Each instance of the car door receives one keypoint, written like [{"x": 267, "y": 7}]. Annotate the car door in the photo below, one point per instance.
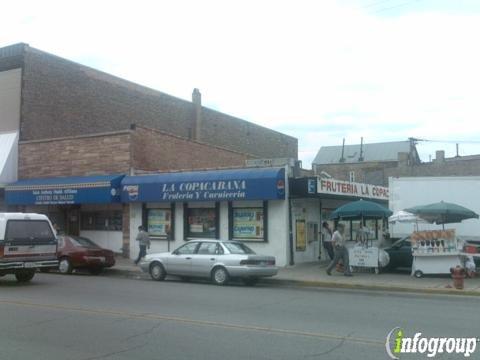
[
  {"x": 405, "y": 256},
  {"x": 204, "y": 259},
  {"x": 180, "y": 261}
]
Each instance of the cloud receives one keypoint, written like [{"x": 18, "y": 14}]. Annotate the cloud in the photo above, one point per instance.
[{"x": 320, "y": 71}]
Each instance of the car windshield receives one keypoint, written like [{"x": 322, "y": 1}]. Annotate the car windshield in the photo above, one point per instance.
[
  {"x": 401, "y": 242},
  {"x": 84, "y": 242},
  {"x": 238, "y": 248}
]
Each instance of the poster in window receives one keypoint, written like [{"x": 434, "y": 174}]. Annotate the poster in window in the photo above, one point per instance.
[
  {"x": 201, "y": 223},
  {"x": 248, "y": 223},
  {"x": 159, "y": 222},
  {"x": 300, "y": 235}
]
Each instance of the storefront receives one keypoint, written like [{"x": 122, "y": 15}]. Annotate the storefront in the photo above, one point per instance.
[
  {"x": 237, "y": 204},
  {"x": 314, "y": 199},
  {"x": 87, "y": 206}
]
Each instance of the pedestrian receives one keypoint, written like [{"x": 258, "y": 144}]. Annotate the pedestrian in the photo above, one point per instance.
[
  {"x": 143, "y": 242},
  {"x": 341, "y": 251},
  {"x": 327, "y": 239}
]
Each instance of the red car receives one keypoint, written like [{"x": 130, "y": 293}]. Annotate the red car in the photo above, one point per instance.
[{"x": 76, "y": 252}]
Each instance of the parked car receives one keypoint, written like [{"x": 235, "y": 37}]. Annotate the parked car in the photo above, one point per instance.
[
  {"x": 217, "y": 260},
  {"x": 76, "y": 252},
  {"x": 400, "y": 253},
  {"x": 27, "y": 243}
]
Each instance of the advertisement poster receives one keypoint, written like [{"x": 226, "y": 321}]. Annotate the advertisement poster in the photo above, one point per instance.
[
  {"x": 159, "y": 221},
  {"x": 248, "y": 223},
  {"x": 201, "y": 223},
  {"x": 300, "y": 235}
]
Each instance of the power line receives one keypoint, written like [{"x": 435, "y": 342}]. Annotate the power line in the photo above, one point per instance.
[{"x": 449, "y": 141}]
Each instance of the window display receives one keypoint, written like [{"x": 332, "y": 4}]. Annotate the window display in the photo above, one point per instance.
[
  {"x": 248, "y": 223},
  {"x": 102, "y": 220},
  {"x": 159, "y": 222},
  {"x": 201, "y": 223}
]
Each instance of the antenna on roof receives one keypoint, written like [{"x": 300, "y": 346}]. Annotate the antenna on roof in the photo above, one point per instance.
[
  {"x": 342, "y": 159},
  {"x": 360, "y": 158}
]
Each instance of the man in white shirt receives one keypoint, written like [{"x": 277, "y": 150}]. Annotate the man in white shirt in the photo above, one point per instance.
[{"x": 341, "y": 251}]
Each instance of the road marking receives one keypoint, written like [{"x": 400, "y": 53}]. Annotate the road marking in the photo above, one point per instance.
[{"x": 159, "y": 317}]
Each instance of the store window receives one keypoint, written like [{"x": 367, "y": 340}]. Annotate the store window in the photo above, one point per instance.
[
  {"x": 201, "y": 223},
  {"x": 159, "y": 222},
  {"x": 248, "y": 223},
  {"x": 102, "y": 220}
]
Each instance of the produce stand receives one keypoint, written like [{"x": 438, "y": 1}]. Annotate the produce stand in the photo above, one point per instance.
[{"x": 435, "y": 252}]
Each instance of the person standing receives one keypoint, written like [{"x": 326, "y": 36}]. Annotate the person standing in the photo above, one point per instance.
[
  {"x": 341, "y": 251},
  {"x": 143, "y": 242},
  {"x": 327, "y": 239}
]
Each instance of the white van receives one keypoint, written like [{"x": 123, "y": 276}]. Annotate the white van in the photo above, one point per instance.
[{"x": 27, "y": 242}]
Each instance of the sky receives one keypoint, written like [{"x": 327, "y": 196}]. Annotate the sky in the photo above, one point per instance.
[{"x": 321, "y": 70}]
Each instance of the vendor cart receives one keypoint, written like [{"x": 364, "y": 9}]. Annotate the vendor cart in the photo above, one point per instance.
[{"x": 435, "y": 252}]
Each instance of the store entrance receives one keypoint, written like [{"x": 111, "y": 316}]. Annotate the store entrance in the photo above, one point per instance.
[{"x": 73, "y": 221}]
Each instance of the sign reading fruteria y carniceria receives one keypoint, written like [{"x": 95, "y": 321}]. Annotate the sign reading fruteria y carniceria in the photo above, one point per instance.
[{"x": 338, "y": 187}]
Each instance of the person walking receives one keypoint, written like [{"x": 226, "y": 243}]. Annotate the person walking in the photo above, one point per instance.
[
  {"x": 143, "y": 242},
  {"x": 341, "y": 251},
  {"x": 327, "y": 239}
]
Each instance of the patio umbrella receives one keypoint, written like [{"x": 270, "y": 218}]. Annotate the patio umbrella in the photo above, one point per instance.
[
  {"x": 443, "y": 213},
  {"x": 403, "y": 216},
  {"x": 361, "y": 209}
]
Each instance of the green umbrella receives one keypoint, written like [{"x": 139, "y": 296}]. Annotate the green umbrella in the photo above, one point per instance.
[
  {"x": 361, "y": 209},
  {"x": 443, "y": 213}
]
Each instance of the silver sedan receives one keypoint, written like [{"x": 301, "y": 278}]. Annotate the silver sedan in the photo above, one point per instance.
[{"x": 217, "y": 260}]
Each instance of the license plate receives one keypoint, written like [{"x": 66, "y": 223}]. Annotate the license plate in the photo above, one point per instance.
[{"x": 30, "y": 265}]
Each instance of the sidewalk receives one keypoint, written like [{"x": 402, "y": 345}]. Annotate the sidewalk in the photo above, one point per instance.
[{"x": 314, "y": 275}]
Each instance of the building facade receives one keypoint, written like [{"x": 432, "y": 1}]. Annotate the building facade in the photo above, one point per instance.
[
  {"x": 376, "y": 163},
  {"x": 45, "y": 96}
]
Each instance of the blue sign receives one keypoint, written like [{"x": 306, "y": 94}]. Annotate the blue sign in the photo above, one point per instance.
[
  {"x": 220, "y": 185},
  {"x": 63, "y": 191}
]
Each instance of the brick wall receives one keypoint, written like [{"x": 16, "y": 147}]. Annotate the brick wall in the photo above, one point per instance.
[
  {"x": 61, "y": 98},
  {"x": 112, "y": 153},
  {"x": 366, "y": 172},
  {"x": 77, "y": 156},
  {"x": 378, "y": 173},
  {"x": 154, "y": 150}
]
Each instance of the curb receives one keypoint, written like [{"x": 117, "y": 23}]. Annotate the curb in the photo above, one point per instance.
[
  {"x": 324, "y": 284},
  {"x": 335, "y": 285}
]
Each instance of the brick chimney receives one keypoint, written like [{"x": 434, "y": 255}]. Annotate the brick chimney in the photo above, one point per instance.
[{"x": 197, "y": 120}]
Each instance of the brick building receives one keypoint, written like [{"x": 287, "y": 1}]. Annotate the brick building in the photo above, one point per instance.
[
  {"x": 79, "y": 131},
  {"x": 375, "y": 163},
  {"x": 46, "y": 97}
]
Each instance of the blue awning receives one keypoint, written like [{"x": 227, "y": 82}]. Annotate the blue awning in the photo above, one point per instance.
[
  {"x": 98, "y": 189},
  {"x": 214, "y": 185}
]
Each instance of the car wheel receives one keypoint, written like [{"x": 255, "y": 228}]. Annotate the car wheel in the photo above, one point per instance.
[
  {"x": 250, "y": 281},
  {"x": 157, "y": 272},
  {"x": 64, "y": 266},
  {"x": 220, "y": 276},
  {"x": 418, "y": 274},
  {"x": 95, "y": 270},
  {"x": 25, "y": 276}
]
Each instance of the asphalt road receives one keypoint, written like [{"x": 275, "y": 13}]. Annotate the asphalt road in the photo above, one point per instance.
[{"x": 82, "y": 317}]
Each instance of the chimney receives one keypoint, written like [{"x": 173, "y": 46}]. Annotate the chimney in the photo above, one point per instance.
[
  {"x": 197, "y": 121},
  {"x": 439, "y": 156}
]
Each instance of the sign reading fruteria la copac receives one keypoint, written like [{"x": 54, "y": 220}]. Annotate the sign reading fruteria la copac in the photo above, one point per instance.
[{"x": 352, "y": 189}]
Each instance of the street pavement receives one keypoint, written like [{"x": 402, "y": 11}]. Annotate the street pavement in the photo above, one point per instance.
[
  {"x": 313, "y": 274},
  {"x": 84, "y": 317}
]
